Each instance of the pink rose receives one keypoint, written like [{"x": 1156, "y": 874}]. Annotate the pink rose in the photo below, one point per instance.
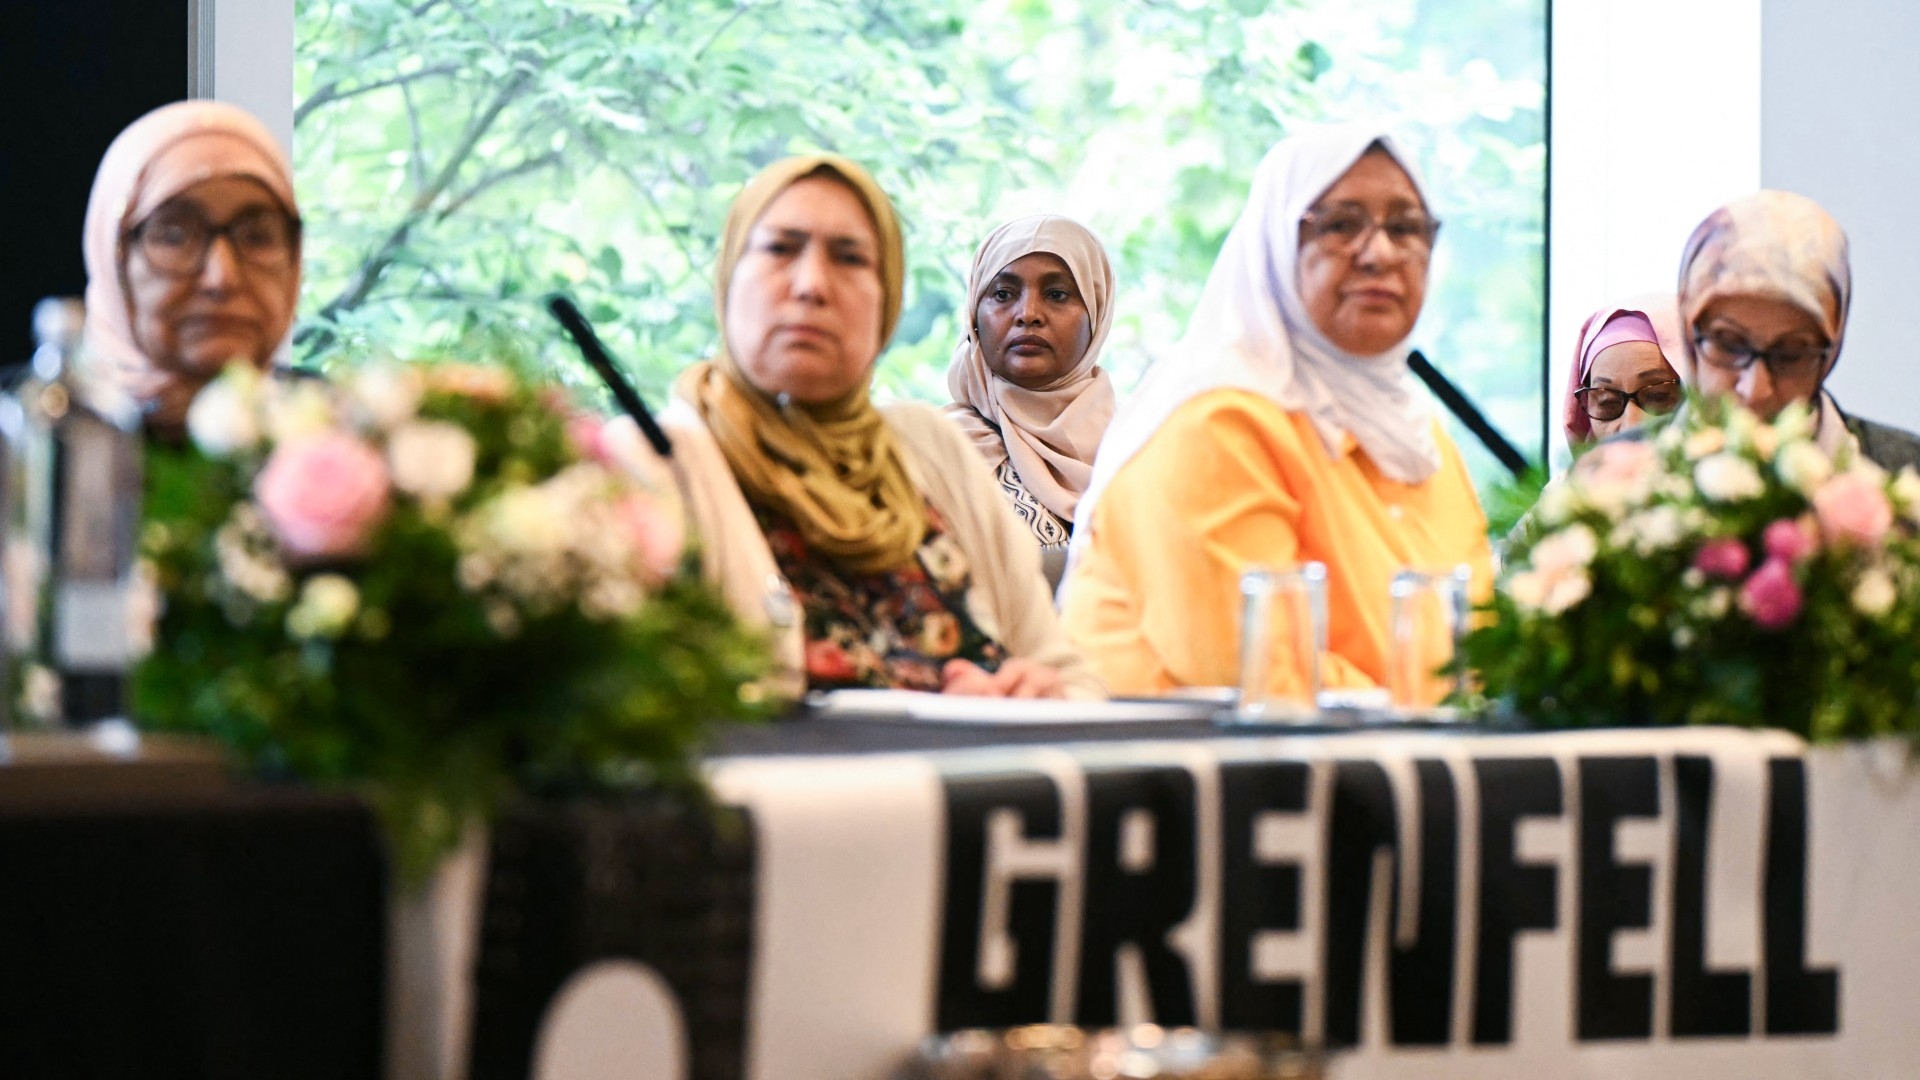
[
  {"x": 1771, "y": 598},
  {"x": 1852, "y": 508},
  {"x": 657, "y": 536},
  {"x": 322, "y": 495},
  {"x": 1627, "y": 464},
  {"x": 1725, "y": 559},
  {"x": 1789, "y": 541},
  {"x": 584, "y": 432}
]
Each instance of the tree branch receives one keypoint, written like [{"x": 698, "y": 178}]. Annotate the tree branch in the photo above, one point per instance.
[
  {"x": 552, "y": 157},
  {"x": 332, "y": 92},
  {"x": 361, "y": 285}
]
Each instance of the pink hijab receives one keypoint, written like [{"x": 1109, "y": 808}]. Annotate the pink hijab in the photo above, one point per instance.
[
  {"x": 1653, "y": 317},
  {"x": 1049, "y": 434},
  {"x": 157, "y": 157}
]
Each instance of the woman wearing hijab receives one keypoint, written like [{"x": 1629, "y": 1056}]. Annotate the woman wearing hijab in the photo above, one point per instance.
[
  {"x": 1765, "y": 285},
  {"x": 1287, "y": 429},
  {"x": 1622, "y": 372},
  {"x": 192, "y": 245},
  {"x": 1026, "y": 382},
  {"x": 875, "y": 545}
]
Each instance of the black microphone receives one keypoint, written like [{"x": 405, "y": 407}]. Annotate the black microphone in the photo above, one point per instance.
[
  {"x": 582, "y": 334},
  {"x": 1459, "y": 404}
]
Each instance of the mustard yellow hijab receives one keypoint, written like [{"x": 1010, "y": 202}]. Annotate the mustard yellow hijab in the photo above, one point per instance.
[{"x": 834, "y": 468}]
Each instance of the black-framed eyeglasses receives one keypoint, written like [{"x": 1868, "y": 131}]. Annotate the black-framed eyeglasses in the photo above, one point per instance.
[
  {"x": 1654, "y": 399},
  {"x": 1731, "y": 353},
  {"x": 177, "y": 241},
  {"x": 1345, "y": 229}
]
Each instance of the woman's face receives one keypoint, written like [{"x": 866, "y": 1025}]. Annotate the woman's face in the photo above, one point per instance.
[
  {"x": 1366, "y": 301},
  {"x": 1769, "y": 325},
  {"x": 1032, "y": 322},
  {"x": 1632, "y": 367},
  {"x": 193, "y": 316},
  {"x": 804, "y": 305}
]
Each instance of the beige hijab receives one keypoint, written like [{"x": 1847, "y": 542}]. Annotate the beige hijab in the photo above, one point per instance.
[
  {"x": 835, "y": 469},
  {"x": 1050, "y": 433},
  {"x": 156, "y": 158}
]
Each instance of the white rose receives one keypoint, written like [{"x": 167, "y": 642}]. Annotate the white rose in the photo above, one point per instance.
[
  {"x": 1727, "y": 478},
  {"x": 1705, "y": 443},
  {"x": 1874, "y": 594},
  {"x": 522, "y": 521},
  {"x": 1558, "y": 502},
  {"x": 1572, "y": 548},
  {"x": 431, "y": 459},
  {"x": 327, "y": 605},
  {"x": 224, "y": 418},
  {"x": 1528, "y": 589},
  {"x": 1803, "y": 467},
  {"x": 1795, "y": 423},
  {"x": 1567, "y": 590},
  {"x": 1906, "y": 493},
  {"x": 388, "y": 393},
  {"x": 297, "y": 410},
  {"x": 1648, "y": 531}
]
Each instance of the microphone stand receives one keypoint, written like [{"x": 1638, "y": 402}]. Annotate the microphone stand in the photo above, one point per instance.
[{"x": 1463, "y": 407}]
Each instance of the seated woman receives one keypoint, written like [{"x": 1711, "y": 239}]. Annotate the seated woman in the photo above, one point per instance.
[
  {"x": 885, "y": 530},
  {"x": 1764, "y": 289},
  {"x": 1287, "y": 428},
  {"x": 192, "y": 245},
  {"x": 1025, "y": 379},
  {"x": 1621, "y": 374}
]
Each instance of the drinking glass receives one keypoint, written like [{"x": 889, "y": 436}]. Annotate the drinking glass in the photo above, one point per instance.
[
  {"x": 1428, "y": 618},
  {"x": 1283, "y": 620}
]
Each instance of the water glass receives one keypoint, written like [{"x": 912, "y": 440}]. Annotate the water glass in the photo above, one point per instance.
[
  {"x": 1283, "y": 621},
  {"x": 1426, "y": 623}
]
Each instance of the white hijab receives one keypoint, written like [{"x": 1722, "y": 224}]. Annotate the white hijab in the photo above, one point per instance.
[
  {"x": 1251, "y": 331},
  {"x": 1049, "y": 434}
]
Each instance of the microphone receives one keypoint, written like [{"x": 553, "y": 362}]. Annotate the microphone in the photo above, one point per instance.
[
  {"x": 1461, "y": 406},
  {"x": 581, "y": 332}
]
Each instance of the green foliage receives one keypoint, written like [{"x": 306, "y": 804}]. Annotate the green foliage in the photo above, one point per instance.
[
  {"x": 423, "y": 698},
  {"x": 458, "y": 159}
]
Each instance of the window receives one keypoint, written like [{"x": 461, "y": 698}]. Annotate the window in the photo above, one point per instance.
[{"x": 460, "y": 159}]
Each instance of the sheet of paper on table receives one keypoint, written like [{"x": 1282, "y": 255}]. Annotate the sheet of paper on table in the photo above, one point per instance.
[{"x": 954, "y": 709}]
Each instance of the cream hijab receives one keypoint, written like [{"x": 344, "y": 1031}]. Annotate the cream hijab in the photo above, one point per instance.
[
  {"x": 156, "y": 158},
  {"x": 835, "y": 469},
  {"x": 1783, "y": 246},
  {"x": 1250, "y": 330},
  {"x": 1049, "y": 433}
]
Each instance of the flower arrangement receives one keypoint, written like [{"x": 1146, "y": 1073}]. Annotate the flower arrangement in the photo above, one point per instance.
[
  {"x": 435, "y": 583},
  {"x": 1721, "y": 571}
]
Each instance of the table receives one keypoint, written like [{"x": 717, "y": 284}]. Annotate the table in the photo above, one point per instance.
[{"x": 1440, "y": 903}]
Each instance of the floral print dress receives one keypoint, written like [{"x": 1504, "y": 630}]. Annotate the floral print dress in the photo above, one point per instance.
[{"x": 892, "y": 630}]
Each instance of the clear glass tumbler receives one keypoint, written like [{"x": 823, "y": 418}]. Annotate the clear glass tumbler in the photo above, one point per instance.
[
  {"x": 1429, "y": 616},
  {"x": 1283, "y": 621}
]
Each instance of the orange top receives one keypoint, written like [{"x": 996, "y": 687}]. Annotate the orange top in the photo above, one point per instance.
[{"x": 1233, "y": 480}]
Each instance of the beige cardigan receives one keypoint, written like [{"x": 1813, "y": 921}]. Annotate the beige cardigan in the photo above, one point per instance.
[{"x": 1009, "y": 599}]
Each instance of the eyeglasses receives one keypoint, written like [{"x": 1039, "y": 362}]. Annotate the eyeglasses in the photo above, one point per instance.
[
  {"x": 1731, "y": 353},
  {"x": 177, "y": 241},
  {"x": 1654, "y": 399},
  {"x": 1345, "y": 229}
]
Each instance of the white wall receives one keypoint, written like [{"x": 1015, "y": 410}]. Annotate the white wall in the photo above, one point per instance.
[
  {"x": 1840, "y": 84},
  {"x": 251, "y": 61},
  {"x": 1647, "y": 138}
]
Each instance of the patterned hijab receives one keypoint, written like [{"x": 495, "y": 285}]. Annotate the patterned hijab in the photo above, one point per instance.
[
  {"x": 156, "y": 158},
  {"x": 1782, "y": 246},
  {"x": 1050, "y": 433},
  {"x": 1250, "y": 330},
  {"x": 835, "y": 468}
]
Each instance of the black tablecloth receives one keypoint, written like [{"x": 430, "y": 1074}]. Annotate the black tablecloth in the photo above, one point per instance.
[{"x": 228, "y": 935}]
